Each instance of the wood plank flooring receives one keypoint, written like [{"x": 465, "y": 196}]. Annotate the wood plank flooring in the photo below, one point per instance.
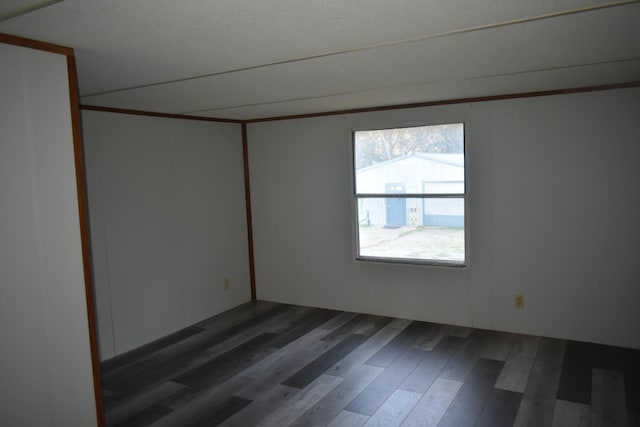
[{"x": 269, "y": 364}]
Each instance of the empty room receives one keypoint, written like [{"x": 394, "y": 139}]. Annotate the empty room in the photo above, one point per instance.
[{"x": 338, "y": 213}]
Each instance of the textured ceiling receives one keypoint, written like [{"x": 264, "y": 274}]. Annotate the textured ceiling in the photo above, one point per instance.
[{"x": 247, "y": 59}]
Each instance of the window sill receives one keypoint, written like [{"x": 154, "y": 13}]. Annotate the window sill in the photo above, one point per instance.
[{"x": 416, "y": 262}]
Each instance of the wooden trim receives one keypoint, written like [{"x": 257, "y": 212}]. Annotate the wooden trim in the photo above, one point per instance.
[
  {"x": 369, "y": 109},
  {"x": 247, "y": 196},
  {"x": 450, "y": 101},
  {"x": 35, "y": 44},
  {"x": 85, "y": 236},
  {"x": 155, "y": 114}
]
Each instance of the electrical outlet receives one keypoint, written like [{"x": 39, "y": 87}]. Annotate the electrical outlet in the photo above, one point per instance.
[
  {"x": 226, "y": 283},
  {"x": 519, "y": 301}
]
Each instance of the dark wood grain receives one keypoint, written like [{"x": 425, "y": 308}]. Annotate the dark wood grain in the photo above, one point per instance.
[
  {"x": 397, "y": 346},
  {"x": 301, "y": 402},
  {"x": 382, "y": 387},
  {"x": 395, "y": 409},
  {"x": 191, "y": 368},
  {"x": 632, "y": 385},
  {"x": 345, "y": 328},
  {"x": 137, "y": 375},
  {"x": 363, "y": 324},
  {"x": 145, "y": 417},
  {"x": 432, "y": 364},
  {"x": 500, "y": 409},
  {"x": 237, "y": 315},
  {"x": 111, "y": 365},
  {"x": 623, "y": 360},
  {"x": 254, "y": 413},
  {"x": 303, "y": 326},
  {"x": 372, "y": 324},
  {"x": 227, "y": 364},
  {"x": 276, "y": 324},
  {"x": 313, "y": 370},
  {"x": 283, "y": 363},
  {"x": 466, "y": 357},
  {"x": 186, "y": 408},
  {"x": 608, "y": 400},
  {"x": 142, "y": 402},
  {"x": 274, "y": 365},
  {"x": 499, "y": 346},
  {"x": 515, "y": 373},
  {"x": 323, "y": 412},
  {"x": 568, "y": 413},
  {"x": 364, "y": 352},
  {"x": 575, "y": 377},
  {"x": 538, "y": 402},
  {"x": 348, "y": 419},
  {"x": 216, "y": 413},
  {"x": 434, "y": 403},
  {"x": 470, "y": 400}
]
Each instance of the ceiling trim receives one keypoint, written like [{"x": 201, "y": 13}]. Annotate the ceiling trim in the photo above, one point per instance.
[
  {"x": 156, "y": 114},
  {"x": 385, "y": 44},
  {"x": 36, "y": 44},
  {"x": 368, "y": 109},
  {"x": 359, "y": 91},
  {"x": 452, "y": 101}
]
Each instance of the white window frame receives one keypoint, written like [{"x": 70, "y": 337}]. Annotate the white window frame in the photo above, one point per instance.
[{"x": 358, "y": 196}]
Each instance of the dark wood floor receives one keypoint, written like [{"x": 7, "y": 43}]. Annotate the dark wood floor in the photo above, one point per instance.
[{"x": 267, "y": 364}]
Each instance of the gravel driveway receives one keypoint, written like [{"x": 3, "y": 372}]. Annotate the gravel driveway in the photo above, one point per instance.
[{"x": 437, "y": 243}]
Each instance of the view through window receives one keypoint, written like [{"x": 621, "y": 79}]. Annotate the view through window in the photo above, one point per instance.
[{"x": 409, "y": 194}]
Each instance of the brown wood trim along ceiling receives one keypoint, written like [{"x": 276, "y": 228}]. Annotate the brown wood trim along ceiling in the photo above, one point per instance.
[{"x": 372, "y": 109}]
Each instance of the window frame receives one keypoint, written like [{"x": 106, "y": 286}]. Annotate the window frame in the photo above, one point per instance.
[{"x": 423, "y": 196}]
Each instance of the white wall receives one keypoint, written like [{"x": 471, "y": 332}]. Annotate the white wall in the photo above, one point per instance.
[
  {"x": 45, "y": 363},
  {"x": 553, "y": 209},
  {"x": 168, "y": 224}
]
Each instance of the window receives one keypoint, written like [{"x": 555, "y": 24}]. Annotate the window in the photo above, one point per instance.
[{"x": 410, "y": 193}]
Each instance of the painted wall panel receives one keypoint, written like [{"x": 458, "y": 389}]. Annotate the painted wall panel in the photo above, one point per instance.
[
  {"x": 167, "y": 218},
  {"x": 551, "y": 211},
  {"x": 45, "y": 364}
]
